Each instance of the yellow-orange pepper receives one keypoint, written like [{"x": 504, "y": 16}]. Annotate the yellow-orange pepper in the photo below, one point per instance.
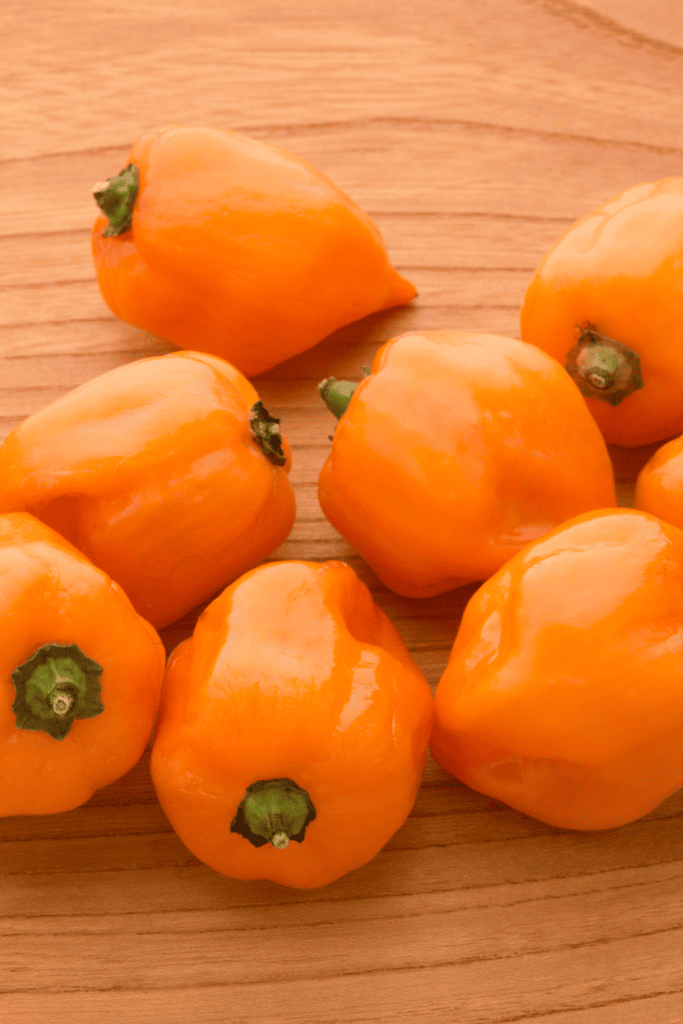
[
  {"x": 293, "y": 727},
  {"x": 605, "y": 301},
  {"x": 80, "y": 673},
  {"x": 659, "y": 487},
  {"x": 168, "y": 473},
  {"x": 563, "y": 694},
  {"x": 224, "y": 244},
  {"x": 457, "y": 450}
]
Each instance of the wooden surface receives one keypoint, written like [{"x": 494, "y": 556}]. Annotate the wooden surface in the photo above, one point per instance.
[{"x": 473, "y": 133}]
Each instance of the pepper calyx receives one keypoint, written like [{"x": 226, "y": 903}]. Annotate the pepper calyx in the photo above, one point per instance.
[
  {"x": 273, "y": 811},
  {"x": 266, "y": 432},
  {"x": 336, "y": 394},
  {"x": 57, "y": 685},
  {"x": 116, "y": 199},
  {"x": 602, "y": 367}
]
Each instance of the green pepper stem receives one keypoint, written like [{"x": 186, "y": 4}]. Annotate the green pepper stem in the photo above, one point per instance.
[
  {"x": 116, "y": 199},
  {"x": 336, "y": 394},
  {"x": 602, "y": 367},
  {"x": 266, "y": 432},
  {"x": 57, "y": 684},
  {"x": 273, "y": 811}
]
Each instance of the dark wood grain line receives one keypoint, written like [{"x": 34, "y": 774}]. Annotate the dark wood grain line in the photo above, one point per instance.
[
  {"x": 458, "y": 961},
  {"x": 360, "y": 898},
  {"x": 613, "y": 31},
  {"x": 58, "y": 323},
  {"x": 134, "y": 353},
  {"x": 87, "y": 151},
  {"x": 451, "y": 268},
  {"x": 456, "y": 215},
  {"x": 46, "y": 234},
  {"x": 108, "y": 319},
  {"x": 540, "y": 828},
  {"x": 403, "y": 214},
  {"x": 374, "y": 122},
  {"x": 34, "y": 387},
  {"x": 622, "y": 1001},
  {"x": 468, "y": 125},
  {"x": 547, "y": 897},
  {"x": 481, "y": 841},
  {"x": 429, "y": 645},
  {"x": 186, "y": 859},
  {"x": 321, "y": 975},
  {"x": 402, "y": 268},
  {"x": 25, "y": 285}
]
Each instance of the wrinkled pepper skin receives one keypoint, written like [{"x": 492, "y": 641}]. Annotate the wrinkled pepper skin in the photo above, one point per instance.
[
  {"x": 619, "y": 270},
  {"x": 563, "y": 693},
  {"x": 52, "y": 595},
  {"x": 456, "y": 451},
  {"x": 152, "y": 472},
  {"x": 659, "y": 487},
  {"x": 293, "y": 673},
  {"x": 240, "y": 249}
]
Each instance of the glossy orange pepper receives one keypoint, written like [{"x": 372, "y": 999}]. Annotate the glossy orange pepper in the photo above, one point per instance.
[
  {"x": 605, "y": 302},
  {"x": 563, "y": 694},
  {"x": 659, "y": 487},
  {"x": 80, "y": 673},
  {"x": 224, "y": 244},
  {"x": 458, "y": 449},
  {"x": 167, "y": 473},
  {"x": 293, "y": 727}
]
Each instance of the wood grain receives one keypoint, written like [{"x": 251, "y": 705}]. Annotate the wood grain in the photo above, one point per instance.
[{"x": 473, "y": 134}]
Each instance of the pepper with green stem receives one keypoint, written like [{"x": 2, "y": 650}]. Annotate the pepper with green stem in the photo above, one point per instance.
[
  {"x": 292, "y": 727},
  {"x": 605, "y": 302},
  {"x": 80, "y": 673}
]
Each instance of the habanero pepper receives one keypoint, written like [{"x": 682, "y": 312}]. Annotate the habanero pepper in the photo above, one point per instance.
[
  {"x": 563, "y": 693},
  {"x": 456, "y": 451},
  {"x": 659, "y": 486},
  {"x": 293, "y": 727},
  {"x": 605, "y": 302},
  {"x": 80, "y": 673},
  {"x": 168, "y": 473},
  {"x": 225, "y": 244}
]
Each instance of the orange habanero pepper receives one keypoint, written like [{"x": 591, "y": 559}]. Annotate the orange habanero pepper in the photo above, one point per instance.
[
  {"x": 218, "y": 242},
  {"x": 293, "y": 727},
  {"x": 659, "y": 487},
  {"x": 605, "y": 302},
  {"x": 458, "y": 449},
  {"x": 168, "y": 473},
  {"x": 80, "y": 676},
  {"x": 563, "y": 694}
]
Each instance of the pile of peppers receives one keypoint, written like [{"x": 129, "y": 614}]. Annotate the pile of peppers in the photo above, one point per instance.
[{"x": 292, "y": 726}]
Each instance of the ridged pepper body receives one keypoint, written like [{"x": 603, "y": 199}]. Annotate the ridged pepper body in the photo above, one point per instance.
[
  {"x": 292, "y": 675},
  {"x": 563, "y": 693},
  {"x": 51, "y": 599},
  {"x": 152, "y": 471},
  {"x": 456, "y": 451},
  {"x": 659, "y": 486},
  {"x": 240, "y": 249},
  {"x": 618, "y": 272}
]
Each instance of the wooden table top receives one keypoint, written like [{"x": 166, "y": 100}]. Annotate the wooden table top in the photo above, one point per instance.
[{"x": 473, "y": 134}]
